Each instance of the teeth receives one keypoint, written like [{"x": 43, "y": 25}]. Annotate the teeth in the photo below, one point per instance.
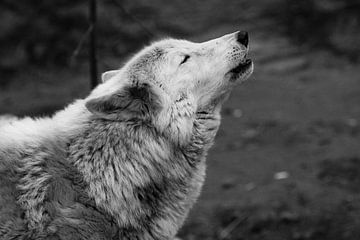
[
  {"x": 247, "y": 61},
  {"x": 244, "y": 62},
  {"x": 239, "y": 68}
]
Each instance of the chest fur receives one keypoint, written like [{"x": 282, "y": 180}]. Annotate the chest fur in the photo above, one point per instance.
[{"x": 138, "y": 176}]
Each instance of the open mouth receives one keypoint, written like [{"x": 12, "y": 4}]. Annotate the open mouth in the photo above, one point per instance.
[{"x": 241, "y": 69}]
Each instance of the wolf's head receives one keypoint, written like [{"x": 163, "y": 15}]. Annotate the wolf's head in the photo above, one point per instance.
[{"x": 168, "y": 82}]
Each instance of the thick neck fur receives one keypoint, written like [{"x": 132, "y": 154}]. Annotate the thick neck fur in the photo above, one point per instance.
[
  {"x": 127, "y": 171},
  {"x": 146, "y": 182},
  {"x": 29, "y": 132}
]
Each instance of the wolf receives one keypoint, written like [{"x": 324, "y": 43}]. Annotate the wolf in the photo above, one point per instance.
[{"x": 128, "y": 161}]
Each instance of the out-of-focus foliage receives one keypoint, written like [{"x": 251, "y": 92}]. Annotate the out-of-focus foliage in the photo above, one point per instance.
[
  {"x": 326, "y": 24},
  {"x": 40, "y": 31},
  {"x": 50, "y": 32}
]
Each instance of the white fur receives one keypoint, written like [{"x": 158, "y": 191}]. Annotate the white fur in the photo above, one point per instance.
[
  {"x": 199, "y": 78},
  {"x": 32, "y": 132},
  {"x": 182, "y": 105}
]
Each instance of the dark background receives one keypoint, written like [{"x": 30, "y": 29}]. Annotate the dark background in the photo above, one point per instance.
[{"x": 286, "y": 163}]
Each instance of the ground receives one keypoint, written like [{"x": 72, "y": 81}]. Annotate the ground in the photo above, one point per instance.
[{"x": 286, "y": 163}]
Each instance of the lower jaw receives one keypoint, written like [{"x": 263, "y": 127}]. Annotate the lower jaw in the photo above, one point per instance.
[{"x": 241, "y": 76}]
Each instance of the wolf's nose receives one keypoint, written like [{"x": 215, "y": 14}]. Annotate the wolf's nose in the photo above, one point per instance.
[{"x": 243, "y": 38}]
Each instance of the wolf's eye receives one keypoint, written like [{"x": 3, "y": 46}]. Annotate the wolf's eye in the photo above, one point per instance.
[{"x": 186, "y": 57}]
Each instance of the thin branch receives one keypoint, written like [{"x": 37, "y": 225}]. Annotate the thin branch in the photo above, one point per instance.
[
  {"x": 81, "y": 43},
  {"x": 135, "y": 19},
  {"x": 92, "y": 45},
  {"x": 225, "y": 233}
]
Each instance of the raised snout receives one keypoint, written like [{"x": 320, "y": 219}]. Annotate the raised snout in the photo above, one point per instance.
[
  {"x": 242, "y": 37},
  {"x": 229, "y": 55},
  {"x": 241, "y": 66}
]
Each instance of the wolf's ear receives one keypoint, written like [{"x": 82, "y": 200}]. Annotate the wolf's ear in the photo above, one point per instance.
[
  {"x": 109, "y": 74},
  {"x": 140, "y": 101}
]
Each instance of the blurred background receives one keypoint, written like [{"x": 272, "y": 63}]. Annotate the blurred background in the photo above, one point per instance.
[{"x": 286, "y": 163}]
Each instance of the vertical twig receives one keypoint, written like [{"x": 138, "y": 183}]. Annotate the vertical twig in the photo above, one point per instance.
[
  {"x": 225, "y": 233},
  {"x": 134, "y": 19},
  {"x": 92, "y": 45}
]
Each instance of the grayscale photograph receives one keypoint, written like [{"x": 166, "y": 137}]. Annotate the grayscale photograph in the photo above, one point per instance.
[{"x": 179, "y": 120}]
